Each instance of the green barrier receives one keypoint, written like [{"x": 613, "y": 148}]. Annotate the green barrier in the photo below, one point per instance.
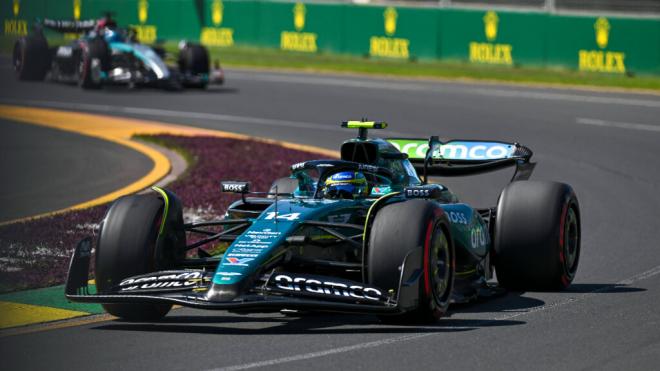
[
  {"x": 301, "y": 27},
  {"x": 610, "y": 45},
  {"x": 18, "y": 16},
  {"x": 592, "y": 44},
  {"x": 496, "y": 38},
  {"x": 228, "y": 23},
  {"x": 392, "y": 32}
]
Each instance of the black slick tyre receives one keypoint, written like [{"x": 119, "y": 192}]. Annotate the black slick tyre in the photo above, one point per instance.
[
  {"x": 400, "y": 228},
  {"x": 537, "y": 236},
  {"x": 194, "y": 61},
  {"x": 31, "y": 57},
  {"x": 126, "y": 247},
  {"x": 94, "y": 59}
]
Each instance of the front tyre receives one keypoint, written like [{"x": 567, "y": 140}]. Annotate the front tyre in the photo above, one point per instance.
[
  {"x": 194, "y": 64},
  {"x": 537, "y": 236},
  {"x": 127, "y": 247},
  {"x": 400, "y": 228},
  {"x": 31, "y": 57},
  {"x": 95, "y": 59}
]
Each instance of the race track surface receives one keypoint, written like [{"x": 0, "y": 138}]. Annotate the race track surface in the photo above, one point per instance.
[
  {"x": 606, "y": 145},
  {"x": 46, "y": 169}
]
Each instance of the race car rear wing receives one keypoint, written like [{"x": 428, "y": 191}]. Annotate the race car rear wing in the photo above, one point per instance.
[
  {"x": 69, "y": 26},
  {"x": 432, "y": 157}
]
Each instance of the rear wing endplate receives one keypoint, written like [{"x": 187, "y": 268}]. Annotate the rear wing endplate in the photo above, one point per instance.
[{"x": 432, "y": 157}]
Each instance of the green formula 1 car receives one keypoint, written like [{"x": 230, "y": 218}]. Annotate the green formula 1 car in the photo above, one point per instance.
[{"x": 364, "y": 234}]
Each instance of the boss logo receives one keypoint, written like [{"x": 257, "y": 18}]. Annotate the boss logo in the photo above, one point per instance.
[
  {"x": 235, "y": 187},
  {"x": 417, "y": 192},
  {"x": 427, "y": 191},
  {"x": 457, "y": 217}
]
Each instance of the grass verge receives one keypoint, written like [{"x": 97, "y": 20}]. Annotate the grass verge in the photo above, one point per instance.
[
  {"x": 35, "y": 253},
  {"x": 322, "y": 62}
]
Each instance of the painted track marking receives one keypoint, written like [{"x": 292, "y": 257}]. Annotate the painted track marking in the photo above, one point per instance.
[
  {"x": 373, "y": 344},
  {"x": 618, "y": 125},
  {"x": 18, "y": 314},
  {"x": 120, "y": 131},
  {"x": 151, "y": 112}
]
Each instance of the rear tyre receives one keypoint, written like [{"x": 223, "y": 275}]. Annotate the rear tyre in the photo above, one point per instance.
[
  {"x": 400, "y": 228},
  {"x": 127, "y": 247},
  {"x": 94, "y": 60},
  {"x": 194, "y": 61},
  {"x": 537, "y": 236},
  {"x": 283, "y": 185},
  {"x": 31, "y": 57}
]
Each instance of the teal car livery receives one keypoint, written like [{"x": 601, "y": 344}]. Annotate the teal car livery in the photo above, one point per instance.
[{"x": 367, "y": 233}]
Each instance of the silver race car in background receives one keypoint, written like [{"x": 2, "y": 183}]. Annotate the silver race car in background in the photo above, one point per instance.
[{"x": 107, "y": 54}]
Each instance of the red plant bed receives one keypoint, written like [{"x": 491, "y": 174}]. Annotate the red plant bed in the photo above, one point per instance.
[{"x": 36, "y": 253}]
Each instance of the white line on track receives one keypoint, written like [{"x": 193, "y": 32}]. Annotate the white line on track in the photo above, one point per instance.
[
  {"x": 323, "y": 353},
  {"x": 141, "y": 111},
  {"x": 367, "y": 83},
  {"x": 373, "y": 344},
  {"x": 619, "y": 125}
]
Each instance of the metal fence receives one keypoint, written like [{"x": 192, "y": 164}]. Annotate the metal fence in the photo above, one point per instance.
[{"x": 637, "y": 7}]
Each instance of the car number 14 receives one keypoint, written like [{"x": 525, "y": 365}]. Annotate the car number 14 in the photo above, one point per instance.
[{"x": 291, "y": 216}]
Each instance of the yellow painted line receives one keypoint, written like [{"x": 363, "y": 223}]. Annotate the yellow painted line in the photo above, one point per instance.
[
  {"x": 78, "y": 321},
  {"x": 14, "y": 314},
  {"x": 121, "y": 130}
]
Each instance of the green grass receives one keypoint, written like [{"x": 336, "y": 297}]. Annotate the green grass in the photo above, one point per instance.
[
  {"x": 187, "y": 156},
  {"x": 272, "y": 58}
]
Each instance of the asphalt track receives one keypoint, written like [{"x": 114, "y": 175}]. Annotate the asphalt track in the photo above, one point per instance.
[
  {"x": 47, "y": 169},
  {"x": 606, "y": 145}
]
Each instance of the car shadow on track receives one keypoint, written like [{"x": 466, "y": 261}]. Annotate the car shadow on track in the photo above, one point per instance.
[
  {"x": 514, "y": 301},
  {"x": 310, "y": 323},
  {"x": 605, "y": 288},
  {"x": 509, "y": 302},
  {"x": 120, "y": 89}
]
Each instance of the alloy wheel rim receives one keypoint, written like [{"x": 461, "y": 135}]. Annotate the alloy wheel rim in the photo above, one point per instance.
[{"x": 440, "y": 265}]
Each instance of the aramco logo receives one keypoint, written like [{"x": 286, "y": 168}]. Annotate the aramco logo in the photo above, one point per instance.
[
  {"x": 299, "y": 16},
  {"x": 216, "y": 12},
  {"x": 602, "y": 27},
  {"x": 143, "y": 11},
  {"x": 390, "y": 21},
  {"x": 490, "y": 25}
]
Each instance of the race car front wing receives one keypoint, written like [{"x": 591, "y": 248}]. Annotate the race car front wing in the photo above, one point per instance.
[{"x": 274, "y": 291}]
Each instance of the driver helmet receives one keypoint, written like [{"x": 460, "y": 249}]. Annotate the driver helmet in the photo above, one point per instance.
[
  {"x": 346, "y": 184},
  {"x": 112, "y": 35}
]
